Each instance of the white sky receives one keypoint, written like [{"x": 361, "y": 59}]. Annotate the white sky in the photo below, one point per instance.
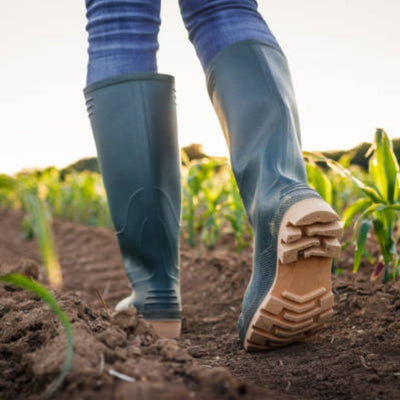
[{"x": 344, "y": 57}]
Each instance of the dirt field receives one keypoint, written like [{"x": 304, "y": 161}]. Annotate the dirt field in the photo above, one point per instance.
[{"x": 356, "y": 357}]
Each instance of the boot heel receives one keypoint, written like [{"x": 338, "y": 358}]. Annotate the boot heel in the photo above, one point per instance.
[
  {"x": 166, "y": 329},
  {"x": 300, "y": 301}
]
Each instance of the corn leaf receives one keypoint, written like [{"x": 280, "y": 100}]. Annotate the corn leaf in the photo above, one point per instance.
[
  {"x": 371, "y": 192},
  {"x": 384, "y": 168},
  {"x": 359, "y": 206},
  {"x": 319, "y": 181},
  {"x": 361, "y": 240},
  {"x": 374, "y": 208},
  {"x": 44, "y": 236},
  {"x": 381, "y": 237},
  {"x": 366, "y": 213}
]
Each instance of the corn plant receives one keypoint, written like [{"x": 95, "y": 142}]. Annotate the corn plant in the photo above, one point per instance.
[
  {"x": 76, "y": 196},
  {"x": 377, "y": 209},
  {"x": 41, "y": 222},
  {"x": 203, "y": 196},
  {"x": 8, "y": 196},
  {"x": 191, "y": 189},
  {"x": 211, "y": 204},
  {"x": 212, "y": 218},
  {"x": 236, "y": 215},
  {"x": 333, "y": 187},
  {"x": 38, "y": 224},
  {"x": 319, "y": 181}
]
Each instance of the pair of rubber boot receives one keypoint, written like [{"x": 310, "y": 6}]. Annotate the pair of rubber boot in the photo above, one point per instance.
[{"x": 133, "y": 120}]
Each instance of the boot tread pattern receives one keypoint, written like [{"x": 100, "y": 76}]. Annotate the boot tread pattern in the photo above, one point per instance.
[
  {"x": 300, "y": 301},
  {"x": 318, "y": 239}
]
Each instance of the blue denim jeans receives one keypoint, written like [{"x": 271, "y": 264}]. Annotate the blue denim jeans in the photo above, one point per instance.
[{"x": 123, "y": 33}]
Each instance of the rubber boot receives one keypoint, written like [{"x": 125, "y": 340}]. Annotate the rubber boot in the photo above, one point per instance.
[
  {"x": 295, "y": 232},
  {"x": 133, "y": 119}
]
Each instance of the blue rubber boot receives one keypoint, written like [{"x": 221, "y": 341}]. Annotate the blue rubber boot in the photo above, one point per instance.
[
  {"x": 289, "y": 295},
  {"x": 133, "y": 119}
]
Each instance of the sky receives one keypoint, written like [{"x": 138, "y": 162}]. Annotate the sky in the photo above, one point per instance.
[{"x": 344, "y": 57}]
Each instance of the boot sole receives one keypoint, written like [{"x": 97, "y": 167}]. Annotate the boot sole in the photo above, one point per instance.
[
  {"x": 300, "y": 301},
  {"x": 166, "y": 329}
]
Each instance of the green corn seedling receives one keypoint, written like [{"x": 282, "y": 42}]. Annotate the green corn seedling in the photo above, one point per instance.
[
  {"x": 41, "y": 221},
  {"x": 203, "y": 194},
  {"x": 333, "y": 188},
  {"x": 191, "y": 190},
  {"x": 379, "y": 207},
  {"x": 318, "y": 180},
  {"x": 75, "y": 196},
  {"x": 38, "y": 224},
  {"x": 236, "y": 215},
  {"x": 212, "y": 219}
]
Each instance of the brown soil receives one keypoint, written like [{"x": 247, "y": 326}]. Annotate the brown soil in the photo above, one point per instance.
[{"x": 356, "y": 357}]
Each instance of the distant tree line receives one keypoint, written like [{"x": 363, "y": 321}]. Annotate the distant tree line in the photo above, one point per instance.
[
  {"x": 357, "y": 154},
  {"x": 195, "y": 151}
]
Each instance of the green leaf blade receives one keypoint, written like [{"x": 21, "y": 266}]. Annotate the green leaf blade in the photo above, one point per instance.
[{"x": 361, "y": 241}]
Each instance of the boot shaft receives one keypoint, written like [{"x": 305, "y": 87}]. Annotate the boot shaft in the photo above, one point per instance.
[{"x": 133, "y": 119}]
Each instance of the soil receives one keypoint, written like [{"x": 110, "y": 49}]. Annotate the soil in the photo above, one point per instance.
[{"x": 356, "y": 357}]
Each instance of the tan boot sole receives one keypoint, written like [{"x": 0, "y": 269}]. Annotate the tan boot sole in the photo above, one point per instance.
[
  {"x": 166, "y": 329},
  {"x": 300, "y": 301}
]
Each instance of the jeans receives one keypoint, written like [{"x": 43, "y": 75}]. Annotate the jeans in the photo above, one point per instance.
[{"x": 123, "y": 33}]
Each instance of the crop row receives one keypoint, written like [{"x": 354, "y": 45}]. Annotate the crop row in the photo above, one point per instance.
[{"x": 212, "y": 207}]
